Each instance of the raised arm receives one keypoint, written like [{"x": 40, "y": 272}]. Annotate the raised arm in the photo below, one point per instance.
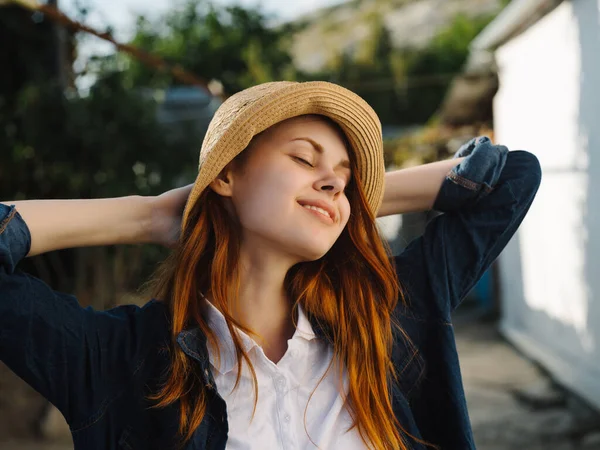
[
  {"x": 58, "y": 224},
  {"x": 414, "y": 189},
  {"x": 484, "y": 200},
  {"x": 70, "y": 354}
]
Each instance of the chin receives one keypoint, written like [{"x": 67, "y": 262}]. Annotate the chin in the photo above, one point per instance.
[{"x": 312, "y": 253}]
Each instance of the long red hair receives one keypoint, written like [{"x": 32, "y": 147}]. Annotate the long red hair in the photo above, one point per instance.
[{"x": 351, "y": 293}]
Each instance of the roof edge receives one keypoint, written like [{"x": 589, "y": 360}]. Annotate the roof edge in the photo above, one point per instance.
[{"x": 517, "y": 17}]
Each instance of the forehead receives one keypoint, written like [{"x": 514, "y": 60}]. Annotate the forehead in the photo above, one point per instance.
[{"x": 312, "y": 126}]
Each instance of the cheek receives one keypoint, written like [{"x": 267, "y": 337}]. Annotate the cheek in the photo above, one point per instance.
[
  {"x": 263, "y": 195},
  {"x": 344, "y": 212}
]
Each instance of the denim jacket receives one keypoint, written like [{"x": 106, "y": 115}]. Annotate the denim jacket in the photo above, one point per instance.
[{"x": 97, "y": 368}]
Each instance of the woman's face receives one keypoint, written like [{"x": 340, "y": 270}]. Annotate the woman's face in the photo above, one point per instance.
[{"x": 288, "y": 193}]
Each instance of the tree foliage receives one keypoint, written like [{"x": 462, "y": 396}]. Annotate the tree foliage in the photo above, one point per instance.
[
  {"x": 231, "y": 44},
  {"x": 405, "y": 85}
]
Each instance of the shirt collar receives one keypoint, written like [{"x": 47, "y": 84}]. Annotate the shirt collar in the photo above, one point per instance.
[
  {"x": 304, "y": 329},
  {"x": 217, "y": 323}
]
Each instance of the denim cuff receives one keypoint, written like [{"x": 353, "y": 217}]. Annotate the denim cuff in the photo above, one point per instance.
[
  {"x": 15, "y": 238},
  {"x": 474, "y": 177}
]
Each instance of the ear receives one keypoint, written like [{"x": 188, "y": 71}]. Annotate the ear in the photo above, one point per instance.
[{"x": 223, "y": 184}]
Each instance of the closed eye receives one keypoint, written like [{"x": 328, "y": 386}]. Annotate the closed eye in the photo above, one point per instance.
[{"x": 302, "y": 161}]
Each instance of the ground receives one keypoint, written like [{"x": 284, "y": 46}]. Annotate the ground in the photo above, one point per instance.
[{"x": 512, "y": 404}]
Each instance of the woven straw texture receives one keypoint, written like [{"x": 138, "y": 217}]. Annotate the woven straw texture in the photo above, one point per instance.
[{"x": 253, "y": 110}]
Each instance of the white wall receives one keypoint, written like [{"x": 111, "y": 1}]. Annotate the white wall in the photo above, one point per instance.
[{"x": 549, "y": 104}]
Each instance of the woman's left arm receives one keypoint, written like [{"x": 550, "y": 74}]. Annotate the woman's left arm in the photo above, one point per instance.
[
  {"x": 414, "y": 189},
  {"x": 484, "y": 198}
]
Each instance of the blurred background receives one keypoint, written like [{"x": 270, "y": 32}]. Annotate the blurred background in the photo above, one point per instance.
[{"x": 110, "y": 98}]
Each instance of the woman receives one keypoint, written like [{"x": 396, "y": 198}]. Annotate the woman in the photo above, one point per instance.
[{"x": 278, "y": 321}]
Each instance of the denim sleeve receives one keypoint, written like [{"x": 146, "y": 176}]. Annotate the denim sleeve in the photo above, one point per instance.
[
  {"x": 75, "y": 357},
  {"x": 484, "y": 200}
]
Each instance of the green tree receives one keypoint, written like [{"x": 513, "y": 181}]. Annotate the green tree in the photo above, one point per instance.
[
  {"x": 231, "y": 44},
  {"x": 366, "y": 68},
  {"x": 435, "y": 66},
  {"x": 105, "y": 144},
  {"x": 405, "y": 85},
  {"x": 448, "y": 51}
]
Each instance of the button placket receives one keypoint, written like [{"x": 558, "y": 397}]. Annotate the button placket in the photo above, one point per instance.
[
  {"x": 283, "y": 409},
  {"x": 280, "y": 383}
]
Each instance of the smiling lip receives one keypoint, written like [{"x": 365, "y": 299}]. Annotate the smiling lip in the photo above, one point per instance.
[{"x": 324, "y": 206}]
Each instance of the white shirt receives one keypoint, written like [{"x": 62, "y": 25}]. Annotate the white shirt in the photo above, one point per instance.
[{"x": 283, "y": 393}]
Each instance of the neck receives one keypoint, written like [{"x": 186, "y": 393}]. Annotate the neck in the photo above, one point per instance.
[{"x": 263, "y": 305}]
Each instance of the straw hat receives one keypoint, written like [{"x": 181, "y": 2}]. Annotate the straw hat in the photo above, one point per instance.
[{"x": 253, "y": 110}]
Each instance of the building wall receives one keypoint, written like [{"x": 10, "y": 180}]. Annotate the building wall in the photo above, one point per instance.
[{"x": 549, "y": 104}]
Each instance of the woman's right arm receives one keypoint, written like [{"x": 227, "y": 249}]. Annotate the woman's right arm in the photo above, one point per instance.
[
  {"x": 64, "y": 351},
  {"x": 75, "y": 356},
  {"x": 58, "y": 224}
]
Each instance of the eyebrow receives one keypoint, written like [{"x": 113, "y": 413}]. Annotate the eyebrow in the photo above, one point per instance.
[{"x": 345, "y": 163}]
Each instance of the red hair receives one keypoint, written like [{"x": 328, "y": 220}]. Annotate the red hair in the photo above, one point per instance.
[{"x": 351, "y": 293}]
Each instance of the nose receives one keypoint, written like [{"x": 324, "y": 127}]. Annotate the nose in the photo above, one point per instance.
[{"x": 331, "y": 184}]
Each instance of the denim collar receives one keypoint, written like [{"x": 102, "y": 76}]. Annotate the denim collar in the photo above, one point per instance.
[{"x": 193, "y": 343}]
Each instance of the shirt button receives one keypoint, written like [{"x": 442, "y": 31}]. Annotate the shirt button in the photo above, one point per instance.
[
  {"x": 287, "y": 418},
  {"x": 280, "y": 382}
]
